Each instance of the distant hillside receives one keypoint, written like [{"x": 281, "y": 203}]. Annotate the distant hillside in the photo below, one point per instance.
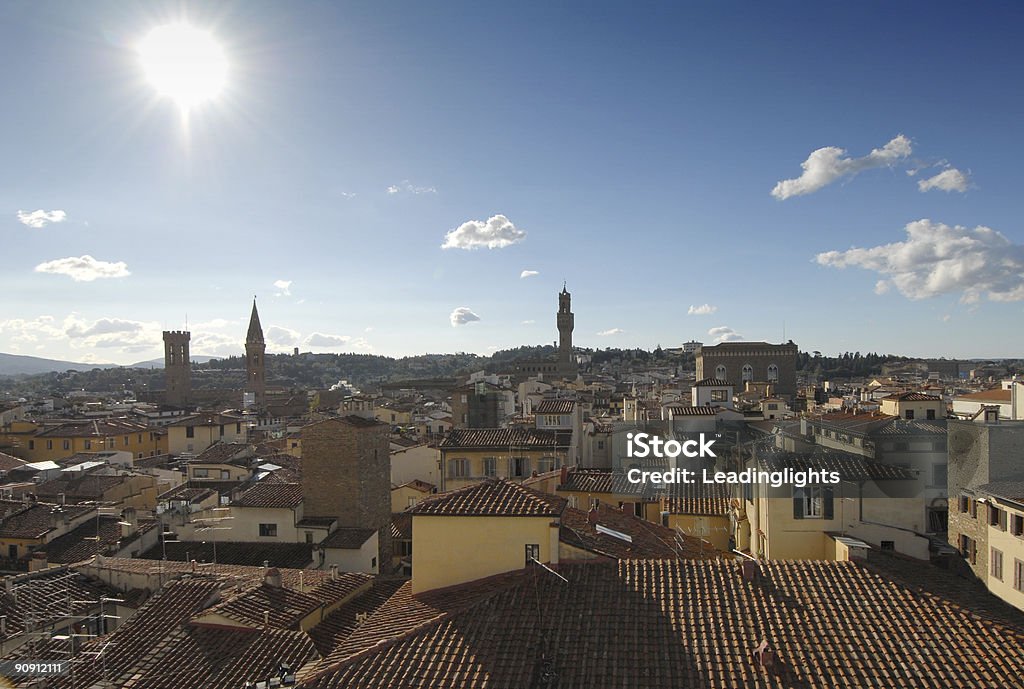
[
  {"x": 20, "y": 365},
  {"x": 159, "y": 363}
]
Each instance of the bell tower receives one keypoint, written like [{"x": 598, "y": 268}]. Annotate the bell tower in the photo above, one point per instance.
[
  {"x": 565, "y": 320},
  {"x": 177, "y": 368},
  {"x": 255, "y": 363}
]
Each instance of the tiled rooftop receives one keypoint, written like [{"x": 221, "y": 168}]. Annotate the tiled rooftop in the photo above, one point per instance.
[
  {"x": 38, "y": 519},
  {"x": 647, "y": 540},
  {"x": 240, "y": 454},
  {"x": 282, "y": 495},
  {"x": 273, "y": 606},
  {"x": 493, "y": 497},
  {"x": 850, "y": 467},
  {"x": 348, "y": 538},
  {"x": 698, "y": 498},
  {"x": 555, "y": 407},
  {"x": 82, "y": 542},
  {"x": 677, "y": 623},
  {"x": 290, "y": 555},
  {"x": 504, "y": 438}
]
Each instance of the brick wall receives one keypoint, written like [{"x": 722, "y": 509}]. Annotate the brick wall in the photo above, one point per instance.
[{"x": 346, "y": 474}]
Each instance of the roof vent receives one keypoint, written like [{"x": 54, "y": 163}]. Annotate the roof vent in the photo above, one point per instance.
[{"x": 764, "y": 655}]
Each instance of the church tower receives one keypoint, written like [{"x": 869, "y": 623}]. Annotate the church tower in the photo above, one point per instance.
[
  {"x": 566, "y": 361},
  {"x": 255, "y": 364},
  {"x": 177, "y": 368}
]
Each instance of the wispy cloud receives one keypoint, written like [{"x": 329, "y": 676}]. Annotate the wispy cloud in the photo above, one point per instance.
[
  {"x": 282, "y": 337},
  {"x": 724, "y": 334},
  {"x": 947, "y": 180},
  {"x": 611, "y": 331},
  {"x": 285, "y": 286},
  {"x": 84, "y": 268},
  {"x": 40, "y": 218},
  {"x": 409, "y": 188},
  {"x": 324, "y": 340},
  {"x": 828, "y": 164},
  {"x": 702, "y": 310},
  {"x": 530, "y": 322},
  {"x": 528, "y": 274},
  {"x": 462, "y": 315},
  {"x": 497, "y": 232},
  {"x": 940, "y": 259}
]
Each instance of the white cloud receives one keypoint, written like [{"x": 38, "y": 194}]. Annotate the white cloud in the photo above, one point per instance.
[
  {"x": 410, "y": 188},
  {"x": 22, "y": 330},
  {"x": 323, "y": 340},
  {"x": 497, "y": 233},
  {"x": 282, "y": 337},
  {"x": 702, "y": 310},
  {"x": 939, "y": 259},
  {"x": 528, "y": 274},
  {"x": 528, "y": 322},
  {"x": 285, "y": 286},
  {"x": 130, "y": 336},
  {"x": 84, "y": 268},
  {"x": 828, "y": 164},
  {"x": 462, "y": 316},
  {"x": 215, "y": 344},
  {"x": 724, "y": 334},
  {"x": 362, "y": 345},
  {"x": 611, "y": 331},
  {"x": 347, "y": 194},
  {"x": 882, "y": 286},
  {"x": 40, "y": 218},
  {"x": 947, "y": 180},
  {"x": 103, "y": 326}
]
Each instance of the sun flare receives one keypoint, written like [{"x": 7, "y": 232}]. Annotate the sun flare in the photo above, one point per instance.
[{"x": 183, "y": 63}]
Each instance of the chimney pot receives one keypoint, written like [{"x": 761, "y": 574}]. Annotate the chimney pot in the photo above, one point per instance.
[{"x": 749, "y": 570}]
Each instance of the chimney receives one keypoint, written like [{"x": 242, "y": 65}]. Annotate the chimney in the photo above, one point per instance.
[
  {"x": 334, "y": 572},
  {"x": 129, "y": 522},
  {"x": 592, "y": 516},
  {"x": 273, "y": 578},
  {"x": 193, "y": 565},
  {"x": 749, "y": 570},
  {"x": 564, "y": 477}
]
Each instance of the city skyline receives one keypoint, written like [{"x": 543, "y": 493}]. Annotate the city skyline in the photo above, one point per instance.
[{"x": 404, "y": 179}]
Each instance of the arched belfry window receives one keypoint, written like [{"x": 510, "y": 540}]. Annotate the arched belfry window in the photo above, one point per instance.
[
  {"x": 773, "y": 373},
  {"x": 720, "y": 372}
]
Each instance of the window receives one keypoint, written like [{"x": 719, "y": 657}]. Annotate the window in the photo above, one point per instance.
[
  {"x": 594, "y": 503},
  {"x": 12, "y": 552},
  {"x": 1018, "y": 575},
  {"x": 67, "y": 444},
  {"x": 32, "y": 444},
  {"x": 490, "y": 466},
  {"x": 812, "y": 502},
  {"x": 309, "y": 537},
  {"x": 773, "y": 406},
  {"x": 773, "y": 373},
  {"x": 720, "y": 373},
  {"x": 458, "y": 468},
  {"x": 748, "y": 372},
  {"x": 909, "y": 414},
  {"x": 411, "y": 502},
  {"x": 719, "y": 396},
  {"x": 973, "y": 509},
  {"x": 600, "y": 444},
  {"x": 929, "y": 414},
  {"x": 88, "y": 444},
  {"x": 126, "y": 441},
  {"x": 200, "y": 473},
  {"x": 1017, "y": 525},
  {"x": 268, "y": 530},
  {"x": 225, "y": 475},
  {"x": 373, "y": 564},
  {"x": 222, "y": 430},
  {"x": 140, "y": 437},
  {"x": 238, "y": 428},
  {"x": 190, "y": 431},
  {"x": 49, "y": 444},
  {"x": 940, "y": 472},
  {"x": 888, "y": 546},
  {"x": 996, "y": 517},
  {"x": 995, "y": 564},
  {"x": 572, "y": 501},
  {"x": 532, "y": 552},
  {"x": 518, "y": 467},
  {"x": 969, "y": 549}
]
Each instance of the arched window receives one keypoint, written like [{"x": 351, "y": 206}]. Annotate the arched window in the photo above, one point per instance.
[
  {"x": 773, "y": 373},
  {"x": 720, "y": 372},
  {"x": 748, "y": 372}
]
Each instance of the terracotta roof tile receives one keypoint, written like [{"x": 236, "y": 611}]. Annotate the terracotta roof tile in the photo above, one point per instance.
[
  {"x": 646, "y": 539},
  {"x": 283, "y": 495},
  {"x": 493, "y": 497},
  {"x": 348, "y": 538},
  {"x": 555, "y": 407},
  {"x": 505, "y": 438}
]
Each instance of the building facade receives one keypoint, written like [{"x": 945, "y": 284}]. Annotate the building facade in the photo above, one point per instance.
[
  {"x": 743, "y": 362},
  {"x": 177, "y": 368}
]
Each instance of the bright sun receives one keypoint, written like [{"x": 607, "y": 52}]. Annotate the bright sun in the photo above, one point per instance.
[{"x": 183, "y": 63}]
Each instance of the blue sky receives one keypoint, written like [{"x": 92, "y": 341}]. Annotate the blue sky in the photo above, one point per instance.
[{"x": 632, "y": 149}]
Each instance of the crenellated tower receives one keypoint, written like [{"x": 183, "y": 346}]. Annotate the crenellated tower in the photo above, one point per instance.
[
  {"x": 177, "y": 368},
  {"x": 565, "y": 319}
]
